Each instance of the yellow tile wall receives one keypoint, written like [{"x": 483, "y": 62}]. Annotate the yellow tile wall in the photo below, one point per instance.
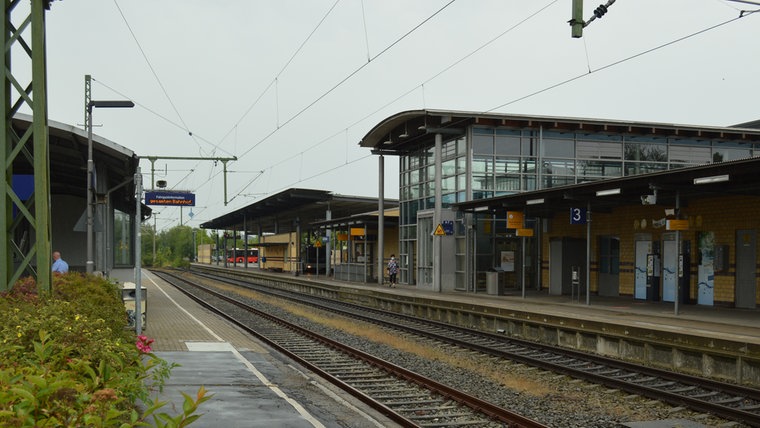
[{"x": 721, "y": 215}]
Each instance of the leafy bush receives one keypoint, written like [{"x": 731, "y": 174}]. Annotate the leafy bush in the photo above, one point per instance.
[{"x": 69, "y": 361}]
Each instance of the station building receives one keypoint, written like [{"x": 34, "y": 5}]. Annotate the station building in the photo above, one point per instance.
[{"x": 565, "y": 205}]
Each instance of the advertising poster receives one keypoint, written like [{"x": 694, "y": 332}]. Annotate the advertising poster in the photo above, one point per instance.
[{"x": 508, "y": 261}]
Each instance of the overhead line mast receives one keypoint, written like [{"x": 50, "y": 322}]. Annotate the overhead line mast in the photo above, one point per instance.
[
  {"x": 224, "y": 161},
  {"x": 25, "y": 242},
  {"x": 577, "y": 23}
]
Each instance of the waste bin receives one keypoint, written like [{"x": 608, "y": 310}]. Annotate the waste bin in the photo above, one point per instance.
[
  {"x": 493, "y": 283},
  {"x": 128, "y": 296}
]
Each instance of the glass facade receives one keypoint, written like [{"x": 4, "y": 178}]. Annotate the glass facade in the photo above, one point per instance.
[
  {"x": 496, "y": 161},
  {"x": 417, "y": 193}
]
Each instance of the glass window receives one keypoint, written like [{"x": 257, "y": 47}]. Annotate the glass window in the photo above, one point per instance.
[
  {"x": 414, "y": 162},
  {"x": 429, "y": 189},
  {"x": 511, "y": 166},
  {"x": 528, "y": 166},
  {"x": 551, "y": 181},
  {"x": 723, "y": 154},
  {"x": 507, "y": 142},
  {"x": 448, "y": 199},
  {"x": 414, "y": 192},
  {"x": 690, "y": 155},
  {"x": 634, "y": 168},
  {"x": 429, "y": 158},
  {"x": 449, "y": 167},
  {"x": 507, "y": 183},
  {"x": 449, "y": 149},
  {"x": 529, "y": 182},
  {"x": 599, "y": 169},
  {"x": 461, "y": 183},
  {"x": 414, "y": 177},
  {"x": 529, "y": 144},
  {"x": 646, "y": 152},
  {"x": 461, "y": 146},
  {"x": 481, "y": 181},
  {"x": 482, "y": 144},
  {"x": 481, "y": 194},
  {"x": 599, "y": 149},
  {"x": 558, "y": 167},
  {"x": 481, "y": 165},
  {"x": 558, "y": 145},
  {"x": 448, "y": 184},
  {"x": 461, "y": 165}
]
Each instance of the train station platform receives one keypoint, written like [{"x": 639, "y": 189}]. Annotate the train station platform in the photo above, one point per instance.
[
  {"x": 250, "y": 386},
  {"x": 713, "y": 341},
  {"x": 719, "y": 322}
]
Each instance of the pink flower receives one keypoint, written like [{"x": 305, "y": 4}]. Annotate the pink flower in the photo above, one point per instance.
[{"x": 143, "y": 344}]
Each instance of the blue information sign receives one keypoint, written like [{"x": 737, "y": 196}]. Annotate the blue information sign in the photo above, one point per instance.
[
  {"x": 577, "y": 215},
  {"x": 177, "y": 199},
  {"x": 448, "y": 227}
]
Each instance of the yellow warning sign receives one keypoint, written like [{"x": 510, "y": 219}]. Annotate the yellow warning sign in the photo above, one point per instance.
[
  {"x": 677, "y": 225},
  {"x": 515, "y": 219},
  {"x": 318, "y": 243},
  {"x": 439, "y": 230},
  {"x": 524, "y": 232}
]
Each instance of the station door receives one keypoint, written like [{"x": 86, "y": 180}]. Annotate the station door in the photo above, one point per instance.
[{"x": 746, "y": 265}]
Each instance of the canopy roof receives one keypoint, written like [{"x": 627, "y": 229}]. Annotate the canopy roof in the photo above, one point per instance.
[
  {"x": 285, "y": 211},
  {"x": 738, "y": 177}
]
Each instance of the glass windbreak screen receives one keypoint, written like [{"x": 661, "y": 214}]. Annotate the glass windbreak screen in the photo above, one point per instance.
[{"x": 122, "y": 234}]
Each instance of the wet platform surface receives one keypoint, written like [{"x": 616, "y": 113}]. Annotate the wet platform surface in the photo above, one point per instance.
[{"x": 253, "y": 388}]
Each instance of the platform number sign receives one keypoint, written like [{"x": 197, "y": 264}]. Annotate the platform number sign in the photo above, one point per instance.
[{"x": 577, "y": 215}]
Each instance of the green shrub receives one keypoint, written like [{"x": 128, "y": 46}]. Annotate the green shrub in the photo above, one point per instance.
[{"x": 69, "y": 361}]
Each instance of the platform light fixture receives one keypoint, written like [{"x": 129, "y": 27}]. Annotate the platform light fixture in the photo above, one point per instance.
[
  {"x": 90, "y": 264},
  {"x": 608, "y": 192},
  {"x": 712, "y": 179},
  {"x": 405, "y": 134},
  {"x": 534, "y": 201}
]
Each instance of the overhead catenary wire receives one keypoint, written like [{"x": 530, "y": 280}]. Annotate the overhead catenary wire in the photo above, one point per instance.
[
  {"x": 621, "y": 61},
  {"x": 346, "y": 78},
  {"x": 345, "y": 130},
  {"x": 153, "y": 70},
  {"x": 553, "y": 86},
  {"x": 273, "y": 82},
  {"x": 266, "y": 137}
]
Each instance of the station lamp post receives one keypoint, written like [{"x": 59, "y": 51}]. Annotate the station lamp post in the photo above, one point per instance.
[{"x": 91, "y": 175}]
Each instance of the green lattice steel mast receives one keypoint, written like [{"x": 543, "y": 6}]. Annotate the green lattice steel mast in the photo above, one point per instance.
[{"x": 25, "y": 245}]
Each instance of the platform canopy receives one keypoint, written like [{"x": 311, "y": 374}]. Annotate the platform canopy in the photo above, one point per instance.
[
  {"x": 738, "y": 177},
  {"x": 408, "y": 131},
  {"x": 286, "y": 211},
  {"x": 68, "y": 164}
]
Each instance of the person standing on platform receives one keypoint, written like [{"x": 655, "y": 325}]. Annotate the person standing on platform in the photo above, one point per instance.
[
  {"x": 392, "y": 270},
  {"x": 59, "y": 265}
]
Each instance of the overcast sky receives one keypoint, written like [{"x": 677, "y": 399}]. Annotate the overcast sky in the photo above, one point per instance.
[{"x": 289, "y": 87}]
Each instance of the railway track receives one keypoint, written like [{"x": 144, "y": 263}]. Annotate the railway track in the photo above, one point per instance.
[
  {"x": 409, "y": 399},
  {"x": 729, "y": 401}
]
